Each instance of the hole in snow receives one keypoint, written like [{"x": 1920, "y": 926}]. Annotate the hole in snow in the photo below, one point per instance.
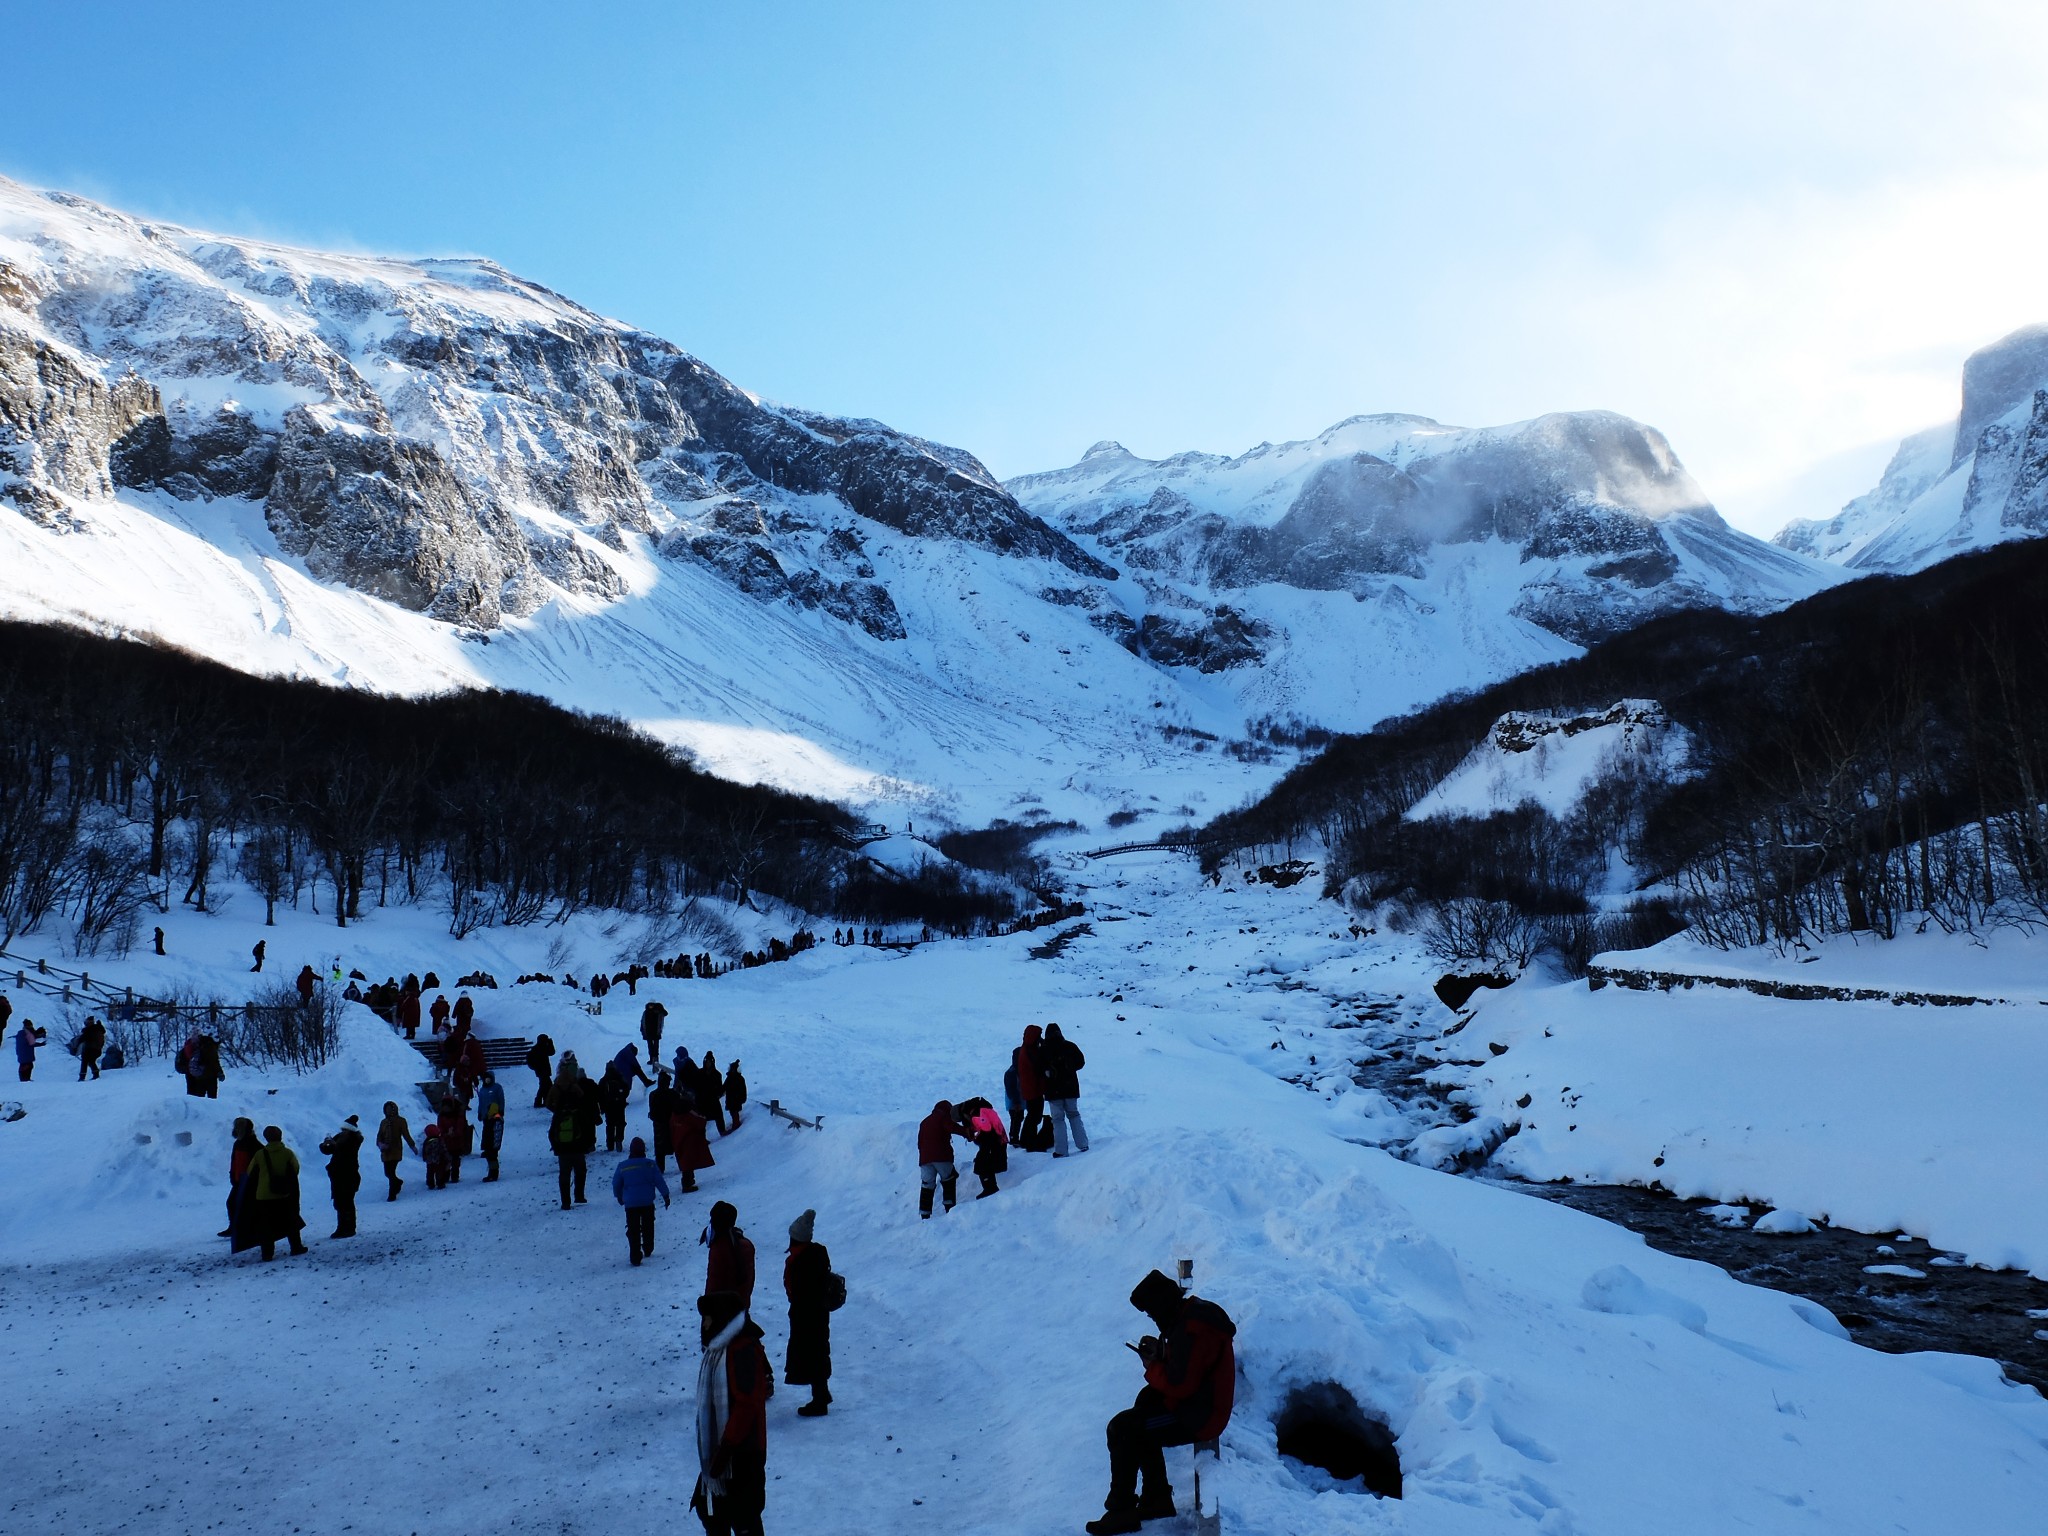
[{"x": 1322, "y": 1425}]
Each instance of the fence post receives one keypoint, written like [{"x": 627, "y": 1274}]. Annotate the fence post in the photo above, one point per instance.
[{"x": 42, "y": 967}]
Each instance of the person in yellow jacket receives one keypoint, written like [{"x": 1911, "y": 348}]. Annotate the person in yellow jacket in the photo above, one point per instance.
[{"x": 269, "y": 1205}]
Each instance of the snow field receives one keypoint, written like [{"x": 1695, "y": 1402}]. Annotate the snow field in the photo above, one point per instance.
[{"x": 479, "y": 1359}]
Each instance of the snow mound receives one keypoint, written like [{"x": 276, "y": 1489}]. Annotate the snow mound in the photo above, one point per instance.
[
  {"x": 1620, "y": 1290},
  {"x": 1551, "y": 760},
  {"x": 1784, "y": 1223}
]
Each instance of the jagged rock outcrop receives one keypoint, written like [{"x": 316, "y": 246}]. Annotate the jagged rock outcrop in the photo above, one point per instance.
[
  {"x": 1607, "y": 526},
  {"x": 1953, "y": 488},
  {"x": 440, "y": 434}
]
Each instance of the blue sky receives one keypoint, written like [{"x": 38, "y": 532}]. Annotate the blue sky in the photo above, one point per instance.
[{"x": 1772, "y": 230}]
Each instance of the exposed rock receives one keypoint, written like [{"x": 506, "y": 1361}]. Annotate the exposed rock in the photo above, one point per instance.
[{"x": 442, "y": 434}]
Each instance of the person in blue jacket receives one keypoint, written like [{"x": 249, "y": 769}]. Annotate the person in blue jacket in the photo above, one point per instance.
[
  {"x": 490, "y": 1115},
  {"x": 635, "y": 1182},
  {"x": 25, "y": 1043}
]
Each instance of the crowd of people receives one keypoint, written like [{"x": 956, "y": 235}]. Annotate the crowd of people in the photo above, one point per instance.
[{"x": 1189, "y": 1364}]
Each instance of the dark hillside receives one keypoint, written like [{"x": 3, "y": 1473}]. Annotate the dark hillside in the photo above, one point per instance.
[
  {"x": 129, "y": 769},
  {"x": 1879, "y": 748}
]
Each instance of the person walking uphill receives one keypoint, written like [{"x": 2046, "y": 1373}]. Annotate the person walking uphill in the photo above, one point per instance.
[
  {"x": 269, "y": 1205},
  {"x": 807, "y": 1281},
  {"x": 689, "y": 1133},
  {"x": 1060, "y": 1062},
  {"x": 393, "y": 1137},
  {"x": 541, "y": 1059},
  {"x": 1190, "y": 1385},
  {"x": 735, "y": 1092},
  {"x": 734, "y": 1384},
  {"x": 635, "y": 1182},
  {"x": 91, "y": 1041},
  {"x": 343, "y": 1151},
  {"x": 935, "y": 1166},
  {"x": 652, "y": 1017},
  {"x": 729, "y": 1266}
]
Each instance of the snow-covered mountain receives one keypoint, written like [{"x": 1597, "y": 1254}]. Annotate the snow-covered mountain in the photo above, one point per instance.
[
  {"x": 1978, "y": 480},
  {"x": 416, "y": 474},
  {"x": 1574, "y": 526}
]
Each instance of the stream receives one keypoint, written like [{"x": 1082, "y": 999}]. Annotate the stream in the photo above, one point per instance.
[{"x": 1940, "y": 1302}]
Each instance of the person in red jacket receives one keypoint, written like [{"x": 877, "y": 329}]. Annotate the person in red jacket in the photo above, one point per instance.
[
  {"x": 935, "y": 1165},
  {"x": 1190, "y": 1385},
  {"x": 730, "y": 1264},
  {"x": 409, "y": 1013},
  {"x": 688, "y": 1136},
  {"x": 1030, "y": 1083},
  {"x": 734, "y": 1384}
]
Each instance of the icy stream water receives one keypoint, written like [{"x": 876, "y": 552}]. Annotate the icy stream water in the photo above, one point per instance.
[{"x": 1943, "y": 1304}]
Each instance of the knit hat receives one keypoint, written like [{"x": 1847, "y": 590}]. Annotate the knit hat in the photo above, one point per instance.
[
  {"x": 1156, "y": 1294},
  {"x": 351, "y": 1120},
  {"x": 800, "y": 1230}
]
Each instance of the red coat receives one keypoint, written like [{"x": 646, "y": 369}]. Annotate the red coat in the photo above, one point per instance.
[
  {"x": 935, "y": 1135},
  {"x": 731, "y": 1266},
  {"x": 749, "y": 1383},
  {"x": 1197, "y": 1370},
  {"x": 409, "y": 1010},
  {"x": 686, "y": 1136},
  {"x": 1030, "y": 1081}
]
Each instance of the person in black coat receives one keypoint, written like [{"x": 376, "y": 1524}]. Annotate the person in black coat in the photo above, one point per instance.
[
  {"x": 542, "y": 1059},
  {"x": 1061, "y": 1061},
  {"x": 343, "y": 1151},
  {"x": 807, "y": 1281},
  {"x": 711, "y": 1092},
  {"x": 663, "y": 1104},
  {"x": 735, "y": 1092}
]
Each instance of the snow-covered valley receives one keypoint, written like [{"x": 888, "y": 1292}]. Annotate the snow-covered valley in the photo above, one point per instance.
[{"x": 479, "y": 1356}]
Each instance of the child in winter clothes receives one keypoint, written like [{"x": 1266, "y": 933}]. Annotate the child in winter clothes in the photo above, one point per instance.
[
  {"x": 635, "y": 1182},
  {"x": 434, "y": 1153},
  {"x": 991, "y": 1147}
]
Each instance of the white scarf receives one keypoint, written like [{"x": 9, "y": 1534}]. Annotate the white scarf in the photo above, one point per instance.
[{"x": 714, "y": 1401}]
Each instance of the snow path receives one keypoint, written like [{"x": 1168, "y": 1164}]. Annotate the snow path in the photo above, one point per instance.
[{"x": 480, "y": 1360}]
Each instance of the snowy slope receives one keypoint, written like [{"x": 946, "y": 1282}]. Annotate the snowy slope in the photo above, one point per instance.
[
  {"x": 480, "y": 1358},
  {"x": 1314, "y": 574},
  {"x": 1957, "y": 486}
]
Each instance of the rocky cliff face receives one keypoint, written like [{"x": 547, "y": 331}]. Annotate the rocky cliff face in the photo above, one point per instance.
[
  {"x": 1954, "y": 487},
  {"x": 1606, "y": 527},
  {"x": 441, "y": 434}
]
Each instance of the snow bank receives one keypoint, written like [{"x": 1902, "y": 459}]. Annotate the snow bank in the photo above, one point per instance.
[{"x": 1867, "y": 1115}]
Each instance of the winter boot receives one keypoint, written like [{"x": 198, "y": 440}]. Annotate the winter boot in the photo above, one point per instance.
[
  {"x": 988, "y": 1186},
  {"x": 1120, "y": 1520},
  {"x": 951, "y": 1189},
  {"x": 1156, "y": 1506},
  {"x": 924, "y": 1204}
]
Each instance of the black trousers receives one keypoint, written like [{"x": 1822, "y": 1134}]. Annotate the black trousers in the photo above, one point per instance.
[
  {"x": 1137, "y": 1437},
  {"x": 639, "y": 1231},
  {"x": 344, "y": 1192},
  {"x": 571, "y": 1169},
  {"x": 736, "y": 1512},
  {"x": 89, "y": 1064}
]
